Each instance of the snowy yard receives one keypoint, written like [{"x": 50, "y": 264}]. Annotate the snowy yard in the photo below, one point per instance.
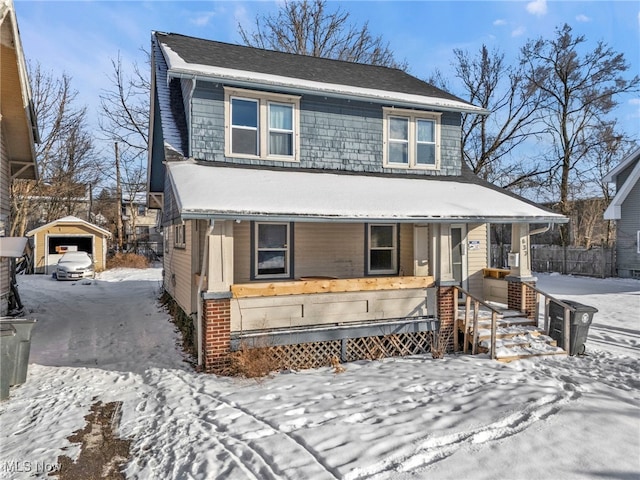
[{"x": 407, "y": 418}]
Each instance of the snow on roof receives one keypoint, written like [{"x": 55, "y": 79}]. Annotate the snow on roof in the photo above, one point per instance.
[
  {"x": 69, "y": 219},
  {"x": 206, "y": 191},
  {"x": 181, "y": 64}
]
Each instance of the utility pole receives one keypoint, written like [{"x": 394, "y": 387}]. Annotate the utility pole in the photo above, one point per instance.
[{"x": 119, "y": 200}]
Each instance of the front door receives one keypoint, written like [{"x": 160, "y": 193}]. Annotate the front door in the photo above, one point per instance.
[{"x": 459, "y": 254}]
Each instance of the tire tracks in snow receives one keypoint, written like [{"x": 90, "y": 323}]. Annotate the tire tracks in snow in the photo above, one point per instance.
[
  {"x": 211, "y": 418},
  {"x": 432, "y": 449}
]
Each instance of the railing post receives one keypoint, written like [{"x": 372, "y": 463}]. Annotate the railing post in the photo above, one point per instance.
[
  {"x": 567, "y": 329},
  {"x": 474, "y": 347},
  {"x": 494, "y": 324},
  {"x": 547, "y": 302},
  {"x": 467, "y": 312},
  {"x": 456, "y": 347}
]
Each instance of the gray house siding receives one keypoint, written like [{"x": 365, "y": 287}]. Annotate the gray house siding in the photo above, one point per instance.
[
  {"x": 628, "y": 258},
  {"x": 335, "y": 134}
]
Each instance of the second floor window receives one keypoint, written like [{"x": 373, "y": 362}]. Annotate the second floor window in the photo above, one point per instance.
[
  {"x": 262, "y": 125},
  {"x": 411, "y": 139}
]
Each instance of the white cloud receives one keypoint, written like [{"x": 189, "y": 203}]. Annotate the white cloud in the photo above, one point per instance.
[
  {"x": 202, "y": 18},
  {"x": 499, "y": 22},
  {"x": 635, "y": 101},
  {"x": 582, "y": 18},
  {"x": 537, "y": 7},
  {"x": 518, "y": 31}
]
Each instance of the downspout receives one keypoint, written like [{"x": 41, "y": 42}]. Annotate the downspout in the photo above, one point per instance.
[
  {"x": 203, "y": 274},
  {"x": 540, "y": 230}
]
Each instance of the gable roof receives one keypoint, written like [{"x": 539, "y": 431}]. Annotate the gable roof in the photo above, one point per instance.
[
  {"x": 71, "y": 220},
  {"x": 19, "y": 128},
  {"x": 614, "y": 210},
  {"x": 248, "y": 66}
]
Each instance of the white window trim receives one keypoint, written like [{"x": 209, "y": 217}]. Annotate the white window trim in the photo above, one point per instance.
[
  {"x": 263, "y": 99},
  {"x": 394, "y": 249},
  {"x": 256, "y": 249},
  {"x": 638, "y": 242},
  {"x": 413, "y": 116},
  {"x": 179, "y": 236}
]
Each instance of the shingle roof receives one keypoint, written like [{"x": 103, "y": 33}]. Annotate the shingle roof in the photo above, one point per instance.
[{"x": 218, "y": 54}]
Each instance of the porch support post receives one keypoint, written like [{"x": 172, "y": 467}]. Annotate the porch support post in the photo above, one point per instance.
[
  {"x": 518, "y": 296},
  {"x": 216, "y": 301},
  {"x": 421, "y": 250},
  {"x": 445, "y": 265},
  {"x": 216, "y": 328},
  {"x": 220, "y": 269},
  {"x": 441, "y": 234},
  {"x": 446, "y": 315}
]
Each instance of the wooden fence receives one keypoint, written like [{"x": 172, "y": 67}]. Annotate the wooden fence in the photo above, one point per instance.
[{"x": 592, "y": 262}]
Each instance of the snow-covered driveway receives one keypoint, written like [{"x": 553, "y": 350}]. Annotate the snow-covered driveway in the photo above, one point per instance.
[{"x": 415, "y": 417}]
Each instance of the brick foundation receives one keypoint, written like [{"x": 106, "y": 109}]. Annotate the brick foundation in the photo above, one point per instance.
[
  {"x": 521, "y": 298},
  {"x": 446, "y": 315},
  {"x": 216, "y": 335}
]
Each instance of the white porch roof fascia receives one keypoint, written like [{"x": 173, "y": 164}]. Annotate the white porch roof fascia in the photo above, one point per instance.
[
  {"x": 614, "y": 210},
  {"x": 215, "y": 192}
]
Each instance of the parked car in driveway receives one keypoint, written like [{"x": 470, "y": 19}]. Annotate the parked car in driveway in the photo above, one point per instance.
[{"x": 75, "y": 265}]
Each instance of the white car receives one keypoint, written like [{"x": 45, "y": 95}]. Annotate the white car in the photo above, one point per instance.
[{"x": 75, "y": 265}]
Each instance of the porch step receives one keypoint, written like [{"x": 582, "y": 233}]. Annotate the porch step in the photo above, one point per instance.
[{"x": 517, "y": 337}]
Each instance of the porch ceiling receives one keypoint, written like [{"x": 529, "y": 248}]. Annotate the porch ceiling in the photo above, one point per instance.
[{"x": 219, "y": 192}]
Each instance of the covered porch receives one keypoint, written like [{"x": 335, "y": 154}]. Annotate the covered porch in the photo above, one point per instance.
[{"x": 328, "y": 290}]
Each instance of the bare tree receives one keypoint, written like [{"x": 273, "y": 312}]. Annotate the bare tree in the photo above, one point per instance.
[
  {"x": 489, "y": 142},
  {"x": 65, "y": 156},
  {"x": 580, "y": 92},
  {"x": 124, "y": 120},
  {"x": 308, "y": 28}
]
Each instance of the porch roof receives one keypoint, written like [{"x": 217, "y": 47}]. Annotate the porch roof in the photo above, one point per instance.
[{"x": 220, "y": 192}]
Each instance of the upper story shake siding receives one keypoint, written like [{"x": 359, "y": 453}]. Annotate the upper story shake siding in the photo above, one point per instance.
[{"x": 335, "y": 134}]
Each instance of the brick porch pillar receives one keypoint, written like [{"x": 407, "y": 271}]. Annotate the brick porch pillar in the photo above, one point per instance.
[
  {"x": 521, "y": 298},
  {"x": 446, "y": 315},
  {"x": 216, "y": 333}
]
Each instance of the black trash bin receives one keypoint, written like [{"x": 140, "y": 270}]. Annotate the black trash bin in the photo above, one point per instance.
[{"x": 579, "y": 321}]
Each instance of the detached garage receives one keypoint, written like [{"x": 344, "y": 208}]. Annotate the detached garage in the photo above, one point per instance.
[{"x": 70, "y": 233}]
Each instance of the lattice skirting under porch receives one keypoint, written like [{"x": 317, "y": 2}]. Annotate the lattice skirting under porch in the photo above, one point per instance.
[{"x": 321, "y": 353}]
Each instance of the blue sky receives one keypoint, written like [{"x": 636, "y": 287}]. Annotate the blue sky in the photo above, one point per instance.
[{"x": 81, "y": 37}]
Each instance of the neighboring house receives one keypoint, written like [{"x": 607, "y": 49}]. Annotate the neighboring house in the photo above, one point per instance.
[
  {"x": 140, "y": 225},
  {"x": 318, "y": 207},
  {"x": 66, "y": 234},
  {"x": 18, "y": 135},
  {"x": 625, "y": 210}
]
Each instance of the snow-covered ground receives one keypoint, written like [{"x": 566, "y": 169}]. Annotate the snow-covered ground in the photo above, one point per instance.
[{"x": 407, "y": 418}]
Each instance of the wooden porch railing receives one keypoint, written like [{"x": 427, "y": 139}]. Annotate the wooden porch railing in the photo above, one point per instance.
[
  {"x": 568, "y": 309},
  {"x": 469, "y": 299}
]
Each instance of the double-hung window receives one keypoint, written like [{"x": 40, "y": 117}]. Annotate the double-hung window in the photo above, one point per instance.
[
  {"x": 179, "y": 236},
  {"x": 272, "y": 250},
  {"x": 382, "y": 240},
  {"x": 261, "y": 125},
  {"x": 411, "y": 139}
]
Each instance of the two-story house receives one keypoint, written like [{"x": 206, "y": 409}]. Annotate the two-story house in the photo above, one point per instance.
[
  {"x": 625, "y": 210},
  {"x": 18, "y": 135},
  {"x": 318, "y": 207},
  {"x": 140, "y": 227}
]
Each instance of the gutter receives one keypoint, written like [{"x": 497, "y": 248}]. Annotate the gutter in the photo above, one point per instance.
[
  {"x": 384, "y": 97},
  {"x": 283, "y": 217},
  {"x": 540, "y": 230}
]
